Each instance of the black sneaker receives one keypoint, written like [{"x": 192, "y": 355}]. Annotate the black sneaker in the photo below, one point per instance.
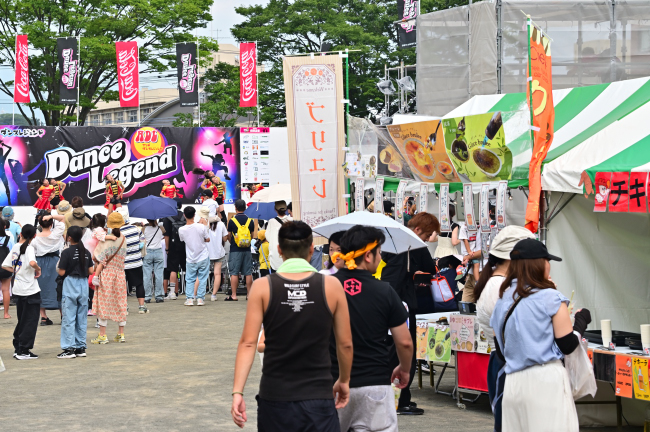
[
  {"x": 160, "y": 300},
  {"x": 46, "y": 322},
  {"x": 26, "y": 355},
  {"x": 66, "y": 354},
  {"x": 148, "y": 301},
  {"x": 80, "y": 352},
  {"x": 409, "y": 410}
]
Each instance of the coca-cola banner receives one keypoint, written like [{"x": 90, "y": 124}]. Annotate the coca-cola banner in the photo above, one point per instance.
[
  {"x": 141, "y": 158},
  {"x": 248, "y": 74},
  {"x": 128, "y": 77},
  {"x": 68, "y": 51},
  {"x": 188, "y": 83},
  {"x": 21, "y": 79}
]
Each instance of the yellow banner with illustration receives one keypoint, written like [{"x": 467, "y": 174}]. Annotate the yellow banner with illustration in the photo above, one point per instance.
[{"x": 468, "y": 149}]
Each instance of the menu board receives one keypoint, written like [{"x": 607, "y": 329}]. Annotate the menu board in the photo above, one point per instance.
[{"x": 255, "y": 147}]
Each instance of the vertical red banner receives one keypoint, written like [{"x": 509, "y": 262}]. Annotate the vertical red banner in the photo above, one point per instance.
[
  {"x": 248, "y": 74},
  {"x": 127, "y": 73},
  {"x": 638, "y": 192},
  {"x": 540, "y": 100},
  {"x": 21, "y": 79},
  {"x": 603, "y": 184},
  {"x": 619, "y": 194}
]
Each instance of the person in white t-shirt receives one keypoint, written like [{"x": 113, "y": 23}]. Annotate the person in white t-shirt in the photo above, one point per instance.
[
  {"x": 22, "y": 261},
  {"x": 470, "y": 249},
  {"x": 195, "y": 236},
  {"x": 218, "y": 234},
  {"x": 210, "y": 203},
  {"x": 272, "y": 230}
]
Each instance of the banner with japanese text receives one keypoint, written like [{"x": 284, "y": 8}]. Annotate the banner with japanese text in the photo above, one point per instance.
[
  {"x": 407, "y": 13},
  {"x": 141, "y": 158},
  {"x": 187, "y": 73},
  {"x": 540, "y": 100},
  {"x": 313, "y": 92},
  {"x": 128, "y": 75},
  {"x": 21, "y": 78},
  {"x": 68, "y": 52},
  {"x": 248, "y": 74}
]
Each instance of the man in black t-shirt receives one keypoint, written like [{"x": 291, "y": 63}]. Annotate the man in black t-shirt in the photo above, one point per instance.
[
  {"x": 240, "y": 259},
  {"x": 175, "y": 250},
  {"x": 375, "y": 308}
]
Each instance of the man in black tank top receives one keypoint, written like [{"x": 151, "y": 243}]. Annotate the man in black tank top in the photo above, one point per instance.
[
  {"x": 375, "y": 308},
  {"x": 300, "y": 309}
]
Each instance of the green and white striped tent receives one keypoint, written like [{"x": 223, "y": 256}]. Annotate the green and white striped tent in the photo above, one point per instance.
[{"x": 604, "y": 128}]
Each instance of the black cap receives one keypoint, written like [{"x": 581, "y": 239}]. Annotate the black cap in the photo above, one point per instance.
[{"x": 531, "y": 249}]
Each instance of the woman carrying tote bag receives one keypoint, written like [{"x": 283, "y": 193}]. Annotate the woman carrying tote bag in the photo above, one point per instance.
[{"x": 533, "y": 331}]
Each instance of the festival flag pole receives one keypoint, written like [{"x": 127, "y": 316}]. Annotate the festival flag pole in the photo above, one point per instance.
[
  {"x": 198, "y": 77},
  {"x": 530, "y": 84},
  {"x": 139, "y": 86},
  {"x": 78, "y": 77},
  {"x": 13, "y": 106},
  {"x": 257, "y": 83}
]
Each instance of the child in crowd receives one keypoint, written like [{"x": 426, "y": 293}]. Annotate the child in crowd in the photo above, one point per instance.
[
  {"x": 218, "y": 235},
  {"x": 263, "y": 247},
  {"x": 21, "y": 261},
  {"x": 97, "y": 225}
]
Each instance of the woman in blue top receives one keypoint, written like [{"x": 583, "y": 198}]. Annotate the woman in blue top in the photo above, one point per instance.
[{"x": 533, "y": 331}]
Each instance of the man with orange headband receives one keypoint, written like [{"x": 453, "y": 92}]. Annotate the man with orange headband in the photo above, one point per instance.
[
  {"x": 374, "y": 308},
  {"x": 301, "y": 310},
  {"x": 399, "y": 272}
]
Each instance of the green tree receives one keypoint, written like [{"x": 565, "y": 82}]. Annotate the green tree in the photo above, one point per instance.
[
  {"x": 156, "y": 24},
  {"x": 221, "y": 108},
  {"x": 286, "y": 27},
  {"x": 8, "y": 118}
]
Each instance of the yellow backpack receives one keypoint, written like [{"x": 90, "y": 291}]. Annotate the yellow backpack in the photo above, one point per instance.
[{"x": 243, "y": 236}]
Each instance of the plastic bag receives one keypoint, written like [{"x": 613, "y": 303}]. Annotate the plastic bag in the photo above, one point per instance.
[
  {"x": 581, "y": 371},
  {"x": 441, "y": 290}
]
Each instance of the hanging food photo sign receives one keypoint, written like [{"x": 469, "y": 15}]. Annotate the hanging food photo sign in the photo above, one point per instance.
[
  {"x": 468, "y": 200},
  {"x": 399, "y": 201},
  {"x": 603, "y": 185},
  {"x": 359, "y": 204},
  {"x": 484, "y": 208},
  {"x": 424, "y": 197},
  {"x": 379, "y": 195},
  {"x": 445, "y": 222},
  {"x": 501, "y": 204}
]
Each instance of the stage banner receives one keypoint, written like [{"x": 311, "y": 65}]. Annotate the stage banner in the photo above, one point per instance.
[
  {"x": 139, "y": 157},
  {"x": 313, "y": 92},
  {"x": 187, "y": 72},
  {"x": 248, "y": 74},
  {"x": 407, "y": 12},
  {"x": 128, "y": 74},
  {"x": 68, "y": 52},
  {"x": 443, "y": 211},
  {"x": 501, "y": 204},
  {"x": 379, "y": 195},
  {"x": 399, "y": 201},
  {"x": 21, "y": 77},
  {"x": 468, "y": 201},
  {"x": 359, "y": 186},
  {"x": 542, "y": 116}
]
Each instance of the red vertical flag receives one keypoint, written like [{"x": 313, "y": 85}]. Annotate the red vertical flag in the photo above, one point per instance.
[
  {"x": 21, "y": 79},
  {"x": 248, "y": 74},
  {"x": 542, "y": 113},
  {"x": 638, "y": 192},
  {"x": 127, "y": 73},
  {"x": 619, "y": 194}
]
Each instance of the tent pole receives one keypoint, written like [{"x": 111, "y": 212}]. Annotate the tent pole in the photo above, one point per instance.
[
  {"x": 542, "y": 218},
  {"x": 560, "y": 209}
]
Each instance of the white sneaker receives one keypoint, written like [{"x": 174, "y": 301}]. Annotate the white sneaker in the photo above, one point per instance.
[
  {"x": 171, "y": 296},
  {"x": 189, "y": 302},
  {"x": 200, "y": 302},
  {"x": 213, "y": 298}
]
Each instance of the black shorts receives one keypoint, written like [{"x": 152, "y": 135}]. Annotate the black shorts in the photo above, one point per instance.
[
  {"x": 55, "y": 201},
  {"x": 316, "y": 415},
  {"x": 175, "y": 259},
  {"x": 219, "y": 200}
]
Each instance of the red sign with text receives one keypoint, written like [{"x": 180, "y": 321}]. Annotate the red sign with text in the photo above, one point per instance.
[
  {"x": 638, "y": 192},
  {"x": 619, "y": 193},
  {"x": 21, "y": 79},
  {"x": 128, "y": 73},
  {"x": 248, "y": 74},
  {"x": 603, "y": 185}
]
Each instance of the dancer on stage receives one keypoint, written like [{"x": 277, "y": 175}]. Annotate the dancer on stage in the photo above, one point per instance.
[
  {"x": 207, "y": 183},
  {"x": 57, "y": 193},
  {"x": 114, "y": 193},
  {"x": 168, "y": 190},
  {"x": 44, "y": 194}
]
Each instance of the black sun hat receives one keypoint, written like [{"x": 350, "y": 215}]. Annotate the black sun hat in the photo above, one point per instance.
[{"x": 531, "y": 249}]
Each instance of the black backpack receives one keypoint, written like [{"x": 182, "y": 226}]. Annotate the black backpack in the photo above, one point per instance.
[
  {"x": 4, "y": 251},
  {"x": 174, "y": 238}
]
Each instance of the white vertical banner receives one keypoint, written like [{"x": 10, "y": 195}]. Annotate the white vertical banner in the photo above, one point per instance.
[
  {"x": 443, "y": 211},
  {"x": 313, "y": 93},
  {"x": 359, "y": 186},
  {"x": 399, "y": 201},
  {"x": 502, "y": 188},
  {"x": 424, "y": 197},
  {"x": 468, "y": 200},
  {"x": 484, "y": 208},
  {"x": 379, "y": 195}
]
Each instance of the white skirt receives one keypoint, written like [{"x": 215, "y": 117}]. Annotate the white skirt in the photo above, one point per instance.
[
  {"x": 445, "y": 248},
  {"x": 539, "y": 399}
]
